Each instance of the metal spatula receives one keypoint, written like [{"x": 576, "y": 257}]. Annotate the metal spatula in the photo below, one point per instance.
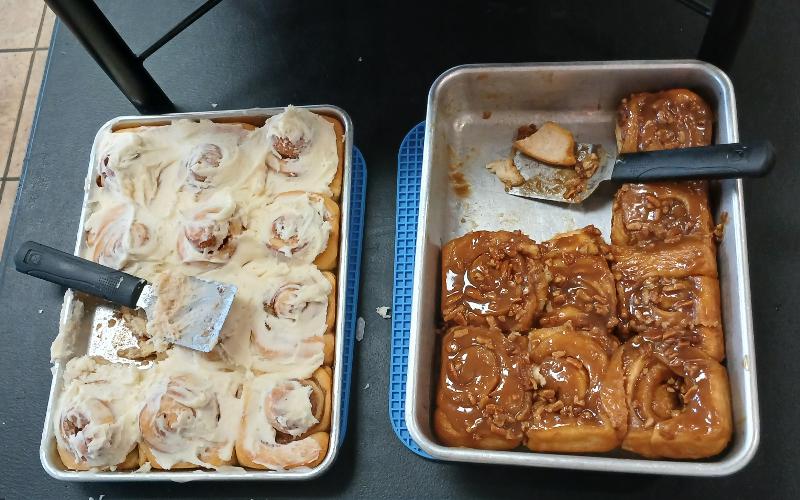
[
  {"x": 197, "y": 322},
  {"x": 723, "y": 161}
]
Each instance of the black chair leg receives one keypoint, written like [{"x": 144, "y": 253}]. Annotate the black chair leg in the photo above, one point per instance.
[{"x": 88, "y": 23}]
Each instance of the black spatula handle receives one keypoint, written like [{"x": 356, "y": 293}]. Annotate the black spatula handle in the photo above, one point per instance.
[
  {"x": 63, "y": 269},
  {"x": 722, "y": 161}
]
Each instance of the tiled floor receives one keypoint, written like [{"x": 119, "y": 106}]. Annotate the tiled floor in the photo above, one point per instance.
[{"x": 25, "y": 30}]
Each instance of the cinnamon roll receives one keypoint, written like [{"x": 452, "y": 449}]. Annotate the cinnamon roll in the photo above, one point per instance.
[
  {"x": 577, "y": 405},
  {"x": 493, "y": 278},
  {"x": 305, "y": 153},
  {"x": 113, "y": 235},
  {"x": 483, "y": 400},
  {"x": 206, "y": 160},
  {"x": 209, "y": 230},
  {"x": 648, "y": 214},
  {"x": 294, "y": 324},
  {"x": 191, "y": 414},
  {"x": 678, "y": 400},
  {"x": 581, "y": 289},
  {"x": 676, "y": 118},
  {"x": 129, "y": 165},
  {"x": 285, "y": 421},
  {"x": 95, "y": 425},
  {"x": 301, "y": 227},
  {"x": 671, "y": 292}
]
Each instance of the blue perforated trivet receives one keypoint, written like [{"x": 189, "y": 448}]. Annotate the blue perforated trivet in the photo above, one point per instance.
[
  {"x": 357, "y": 200},
  {"x": 409, "y": 167}
]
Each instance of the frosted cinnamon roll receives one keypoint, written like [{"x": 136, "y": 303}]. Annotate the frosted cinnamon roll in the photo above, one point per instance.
[
  {"x": 129, "y": 165},
  {"x": 577, "y": 406},
  {"x": 95, "y": 424},
  {"x": 483, "y": 399},
  {"x": 191, "y": 415},
  {"x": 678, "y": 400},
  {"x": 113, "y": 235},
  {"x": 581, "y": 290},
  {"x": 493, "y": 278},
  {"x": 646, "y": 214},
  {"x": 305, "y": 153},
  {"x": 205, "y": 161},
  {"x": 676, "y": 118},
  {"x": 292, "y": 330},
  {"x": 301, "y": 227},
  {"x": 671, "y": 292},
  {"x": 285, "y": 421},
  {"x": 209, "y": 230}
]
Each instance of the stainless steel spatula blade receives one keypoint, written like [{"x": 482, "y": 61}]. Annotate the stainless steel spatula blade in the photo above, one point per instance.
[
  {"x": 195, "y": 318},
  {"x": 546, "y": 182}
]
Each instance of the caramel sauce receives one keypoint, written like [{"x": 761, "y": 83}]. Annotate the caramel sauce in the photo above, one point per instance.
[
  {"x": 676, "y": 391},
  {"x": 581, "y": 290},
  {"x": 676, "y": 118},
  {"x": 571, "y": 364},
  {"x": 660, "y": 212},
  {"x": 482, "y": 389},
  {"x": 492, "y": 279}
]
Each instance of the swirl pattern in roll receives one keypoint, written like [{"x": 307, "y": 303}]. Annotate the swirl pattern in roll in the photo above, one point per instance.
[
  {"x": 494, "y": 279},
  {"x": 647, "y": 214},
  {"x": 285, "y": 421},
  {"x": 305, "y": 153},
  {"x": 301, "y": 227},
  {"x": 209, "y": 230},
  {"x": 95, "y": 427},
  {"x": 114, "y": 236},
  {"x": 578, "y": 404},
  {"x": 191, "y": 413},
  {"x": 678, "y": 400},
  {"x": 483, "y": 399},
  {"x": 294, "y": 320},
  {"x": 581, "y": 290}
]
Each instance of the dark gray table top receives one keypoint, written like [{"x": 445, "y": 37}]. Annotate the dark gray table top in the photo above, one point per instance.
[{"x": 377, "y": 61}]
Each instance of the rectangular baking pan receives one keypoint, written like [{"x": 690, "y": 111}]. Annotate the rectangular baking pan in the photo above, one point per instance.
[
  {"x": 81, "y": 314},
  {"x": 473, "y": 112}
]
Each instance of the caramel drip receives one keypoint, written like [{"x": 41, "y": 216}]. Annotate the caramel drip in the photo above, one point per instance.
[
  {"x": 678, "y": 394},
  {"x": 482, "y": 390},
  {"x": 676, "y": 118},
  {"x": 581, "y": 290},
  {"x": 645, "y": 214},
  {"x": 492, "y": 279}
]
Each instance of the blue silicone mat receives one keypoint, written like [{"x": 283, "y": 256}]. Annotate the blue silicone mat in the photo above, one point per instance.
[
  {"x": 409, "y": 167},
  {"x": 357, "y": 200}
]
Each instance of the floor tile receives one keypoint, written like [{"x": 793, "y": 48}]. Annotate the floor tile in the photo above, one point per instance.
[
  {"x": 13, "y": 70},
  {"x": 9, "y": 195},
  {"x": 19, "y": 23},
  {"x": 26, "y": 119},
  {"x": 47, "y": 29}
]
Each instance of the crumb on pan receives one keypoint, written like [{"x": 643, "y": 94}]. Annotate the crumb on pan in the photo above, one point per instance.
[
  {"x": 506, "y": 171},
  {"x": 384, "y": 312},
  {"x": 360, "y": 326}
]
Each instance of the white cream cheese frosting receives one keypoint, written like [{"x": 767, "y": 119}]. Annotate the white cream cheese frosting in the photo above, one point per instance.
[
  {"x": 295, "y": 226},
  {"x": 96, "y": 415},
  {"x": 272, "y": 403},
  {"x": 192, "y": 410},
  {"x": 302, "y": 152},
  {"x": 196, "y": 198}
]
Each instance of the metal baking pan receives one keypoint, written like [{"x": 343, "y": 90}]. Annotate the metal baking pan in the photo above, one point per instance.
[
  {"x": 473, "y": 112},
  {"x": 84, "y": 312}
]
